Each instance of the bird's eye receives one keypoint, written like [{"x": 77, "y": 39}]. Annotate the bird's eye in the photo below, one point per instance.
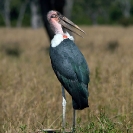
[{"x": 54, "y": 16}]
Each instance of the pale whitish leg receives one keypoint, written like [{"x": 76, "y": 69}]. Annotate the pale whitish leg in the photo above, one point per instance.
[
  {"x": 64, "y": 108},
  {"x": 74, "y": 120}
]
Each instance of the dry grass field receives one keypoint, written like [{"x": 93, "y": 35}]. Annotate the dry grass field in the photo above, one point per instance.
[{"x": 30, "y": 94}]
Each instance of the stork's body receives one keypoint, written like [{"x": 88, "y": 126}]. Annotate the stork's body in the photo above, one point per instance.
[{"x": 70, "y": 67}]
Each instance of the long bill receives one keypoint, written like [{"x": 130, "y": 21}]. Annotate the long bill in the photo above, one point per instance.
[{"x": 65, "y": 22}]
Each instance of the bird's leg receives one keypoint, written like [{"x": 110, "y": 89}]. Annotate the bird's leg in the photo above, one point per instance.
[
  {"x": 74, "y": 120},
  {"x": 64, "y": 108}
]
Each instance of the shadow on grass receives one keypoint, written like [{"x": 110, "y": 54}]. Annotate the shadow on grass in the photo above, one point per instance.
[
  {"x": 52, "y": 131},
  {"x": 11, "y": 49},
  {"x": 112, "y": 46}
]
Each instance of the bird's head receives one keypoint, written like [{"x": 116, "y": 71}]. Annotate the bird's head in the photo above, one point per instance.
[{"x": 57, "y": 21}]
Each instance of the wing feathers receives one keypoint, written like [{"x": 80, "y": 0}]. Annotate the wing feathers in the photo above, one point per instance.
[{"x": 72, "y": 71}]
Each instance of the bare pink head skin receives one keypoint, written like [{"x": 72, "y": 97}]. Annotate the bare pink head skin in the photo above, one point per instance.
[
  {"x": 53, "y": 19},
  {"x": 57, "y": 20}
]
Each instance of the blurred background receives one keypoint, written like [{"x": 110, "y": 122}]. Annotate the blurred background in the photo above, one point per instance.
[
  {"x": 30, "y": 94},
  {"x": 27, "y": 13}
]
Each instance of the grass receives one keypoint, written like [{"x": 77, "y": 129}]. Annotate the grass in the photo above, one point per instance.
[{"x": 30, "y": 94}]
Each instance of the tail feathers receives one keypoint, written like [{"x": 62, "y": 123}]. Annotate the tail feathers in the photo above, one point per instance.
[
  {"x": 80, "y": 97},
  {"x": 83, "y": 103},
  {"x": 78, "y": 91}
]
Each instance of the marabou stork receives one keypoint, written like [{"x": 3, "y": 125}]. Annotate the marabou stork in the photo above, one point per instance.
[{"x": 68, "y": 63}]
